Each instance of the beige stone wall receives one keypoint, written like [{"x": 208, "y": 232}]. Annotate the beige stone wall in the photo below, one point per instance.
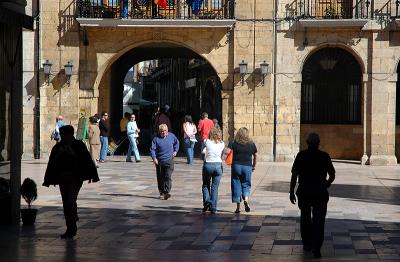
[
  {"x": 249, "y": 105},
  {"x": 340, "y": 141},
  {"x": 59, "y": 44}
]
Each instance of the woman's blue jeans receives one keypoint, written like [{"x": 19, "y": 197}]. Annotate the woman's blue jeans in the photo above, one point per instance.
[
  {"x": 240, "y": 182},
  {"x": 212, "y": 173},
  {"x": 132, "y": 147},
  {"x": 189, "y": 147},
  {"x": 104, "y": 147}
]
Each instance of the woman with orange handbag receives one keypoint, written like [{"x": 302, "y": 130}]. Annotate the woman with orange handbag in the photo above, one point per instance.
[{"x": 243, "y": 164}]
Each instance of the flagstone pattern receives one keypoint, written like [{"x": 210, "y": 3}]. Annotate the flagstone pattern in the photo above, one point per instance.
[{"x": 122, "y": 219}]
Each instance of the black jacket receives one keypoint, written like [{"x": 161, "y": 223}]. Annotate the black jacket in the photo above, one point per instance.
[{"x": 70, "y": 162}]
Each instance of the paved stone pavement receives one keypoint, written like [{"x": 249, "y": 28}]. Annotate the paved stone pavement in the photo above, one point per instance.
[{"x": 122, "y": 219}]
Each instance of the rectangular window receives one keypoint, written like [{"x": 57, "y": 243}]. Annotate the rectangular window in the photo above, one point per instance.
[{"x": 327, "y": 103}]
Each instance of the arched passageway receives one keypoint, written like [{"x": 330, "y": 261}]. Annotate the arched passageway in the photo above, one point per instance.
[
  {"x": 331, "y": 93},
  {"x": 174, "y": 75}
]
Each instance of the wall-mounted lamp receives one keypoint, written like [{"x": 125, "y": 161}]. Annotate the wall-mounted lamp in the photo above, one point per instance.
[
  {"x": 243, "y": 71},
  {"x": 47, "y": 71},
  {"x": 68, "y": 72},
  {"x": 264, "y": 70}
]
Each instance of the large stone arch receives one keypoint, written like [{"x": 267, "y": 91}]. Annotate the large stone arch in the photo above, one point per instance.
[
  {"x": 104, "y": 67},
  {"x": 356, "y": 54},
  {"x": 105, "y": 46}
]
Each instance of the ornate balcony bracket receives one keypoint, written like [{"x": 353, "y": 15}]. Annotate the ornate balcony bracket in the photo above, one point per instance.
[
  {"x": 211, "y": 23},
  {"x": 333, "y": 23}
]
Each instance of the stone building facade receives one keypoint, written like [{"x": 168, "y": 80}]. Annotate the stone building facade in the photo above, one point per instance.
[
  {"x": 367, "y": 34},
  {"x": 93, "y": 46},
  {"x": 309, "y": 45}
]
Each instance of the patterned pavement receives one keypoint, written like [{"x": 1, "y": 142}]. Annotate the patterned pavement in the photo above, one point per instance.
[{"x": 122, "y": 219}]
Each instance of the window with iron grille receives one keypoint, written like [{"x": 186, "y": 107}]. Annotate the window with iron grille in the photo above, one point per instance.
[{"x": 331, "y": 88}]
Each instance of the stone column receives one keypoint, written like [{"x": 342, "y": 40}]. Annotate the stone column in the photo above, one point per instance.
[
  {"x": 288, "y": 118},
  {"x": 364, "y": 158},
  {"x": 383, "y": 120}
]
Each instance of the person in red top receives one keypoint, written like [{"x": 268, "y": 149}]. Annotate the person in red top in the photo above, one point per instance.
[{"x": 205, "y": 126}]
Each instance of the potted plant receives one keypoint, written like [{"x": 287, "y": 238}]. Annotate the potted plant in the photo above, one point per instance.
[{"x": 29, "y": 193}]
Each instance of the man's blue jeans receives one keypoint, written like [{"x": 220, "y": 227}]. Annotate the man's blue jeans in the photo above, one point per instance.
[
  {"x": 189, "y": 147},
  {"x": 132, "y": 147},
  {"x": 104, "y": 147},
  {"x": 212, "y": 174},
  {"x": 240, "y": 182}
]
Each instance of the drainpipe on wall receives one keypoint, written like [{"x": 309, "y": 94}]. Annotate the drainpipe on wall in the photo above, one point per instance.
[
  {"x": 37, "y": 98},
  {"x": 274, "y": 77}
]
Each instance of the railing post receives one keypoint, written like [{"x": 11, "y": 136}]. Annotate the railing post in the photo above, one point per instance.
[{"x": 367, "y": 3}]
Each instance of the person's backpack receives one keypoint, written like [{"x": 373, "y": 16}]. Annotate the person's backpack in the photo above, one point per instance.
[{"x": 55, "y": 135}]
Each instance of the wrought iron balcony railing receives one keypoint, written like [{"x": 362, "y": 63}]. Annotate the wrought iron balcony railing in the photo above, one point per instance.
[
  {"x": 147, "y": 9},
  {"x": 329, "y": 9},
  {"x": 391, "y": 10}
]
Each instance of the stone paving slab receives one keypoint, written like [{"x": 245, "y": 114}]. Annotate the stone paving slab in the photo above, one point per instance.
[{"x": 122, "y": 219}]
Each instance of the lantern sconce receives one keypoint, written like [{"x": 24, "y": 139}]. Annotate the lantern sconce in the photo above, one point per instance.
[
  {"x": 47, "y": 71},
  {"x": 68, "y": 71},
  {"x": 243, "y": 71},
  {"x": 264, "y": 71}
]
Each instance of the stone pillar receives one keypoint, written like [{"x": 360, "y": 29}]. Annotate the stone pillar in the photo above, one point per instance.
[
  {"x": 364, "y": 158},
  {"x": 383, "y": 121},
  {"x": 288, "y": 118}
]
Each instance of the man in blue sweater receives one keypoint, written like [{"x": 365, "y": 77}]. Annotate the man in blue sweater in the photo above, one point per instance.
[{"x": 163, "y": 150}]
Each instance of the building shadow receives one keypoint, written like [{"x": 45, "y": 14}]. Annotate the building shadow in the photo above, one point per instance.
[
  {"x": 364, "y": 193},
  {"x": 107, "y": 234}
]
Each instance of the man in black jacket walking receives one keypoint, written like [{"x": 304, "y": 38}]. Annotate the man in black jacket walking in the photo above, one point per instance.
[{"x": 311, "y": 166}]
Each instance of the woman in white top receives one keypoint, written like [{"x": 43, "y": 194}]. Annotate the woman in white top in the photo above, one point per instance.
[
  {"x": 132, "y": 132},
  {"x": 212, "y": 169},
  {"x": 189, "y": 132}
]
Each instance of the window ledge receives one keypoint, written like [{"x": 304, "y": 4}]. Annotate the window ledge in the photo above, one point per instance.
[
  {"x": 329, "y": 23},
  {"x": 106, "y": 22}
]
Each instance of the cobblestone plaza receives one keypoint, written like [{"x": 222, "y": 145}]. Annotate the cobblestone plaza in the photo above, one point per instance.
[{"x": 122, "y": 219}]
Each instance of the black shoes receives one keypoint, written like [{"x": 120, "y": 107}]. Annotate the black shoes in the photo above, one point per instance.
[
  {"x": 138, "y": 161},
  {"x": 206, "y": 207},
  {"x": 246, "y": 206},
  {"x": 316, "y": 253}
]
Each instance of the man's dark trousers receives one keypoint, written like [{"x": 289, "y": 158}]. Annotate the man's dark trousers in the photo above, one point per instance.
[
  {"x": 69, "y": 195},
  {"x": 312, "y": 229},
  {"x": 164, "y": 174}
]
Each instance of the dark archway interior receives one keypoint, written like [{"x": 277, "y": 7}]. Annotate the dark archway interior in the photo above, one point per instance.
[
  {"x": 331, "y": 88},
  {"x": 204, "y": 96}
]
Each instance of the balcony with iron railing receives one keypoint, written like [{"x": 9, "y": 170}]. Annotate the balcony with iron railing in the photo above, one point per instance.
[
  {"x": 187, "y": 13},
  {"x": 329, "y": 13},
  {"x": 388, "y": 12}
]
